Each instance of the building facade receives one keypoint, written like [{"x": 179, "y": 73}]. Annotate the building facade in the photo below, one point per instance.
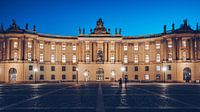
[{"x": 26, "y": 55}]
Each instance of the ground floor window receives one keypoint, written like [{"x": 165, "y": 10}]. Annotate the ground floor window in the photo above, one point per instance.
[
  {"x": 30, "y": 77},
  {"x": 41, "y": 77},
  {"x": 52, "y": 77},
  {"x": 74, "y": 77},
  {"x": 63, "y": 77},
  {"x": 146, "y": 76},
  {"x": 136, "y": 77},
  {"x": 169, "y": 77},
  {"x": 157, "y": 76}
]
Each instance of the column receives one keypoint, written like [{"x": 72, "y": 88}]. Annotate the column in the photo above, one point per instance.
[
  {"x": 105, "y": 46},
  {"x": 191, "y": 50},
  {"x": 95, "y": 51},
  {"x": 174, "y": 48},
  {"x": 116, "y": 52},
  {"x": 164, "y": 49},
  {"x": 179, "y": 49}
]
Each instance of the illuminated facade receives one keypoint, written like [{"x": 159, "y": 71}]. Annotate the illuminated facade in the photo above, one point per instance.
[{"x": 99, "y": 56}]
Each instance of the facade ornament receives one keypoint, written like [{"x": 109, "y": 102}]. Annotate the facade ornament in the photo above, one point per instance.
[
  {"x": 79, "y": 30},
  {"x": 100, "y": 29},
  {"x": 120, "y": 31},
  {"x": 116, "y": 31},
  {"x": 26, "y": 26},
  {"x": 1, "y": 28},
  {"x": 185, "y": 22},
  {"x": 90, "y": 30},
  {"x": 14, "y": 25},
  {"x": 165, "y": 29},
  {"x": 197, "y": 26},
  {"x": 34, "y": 28},
  {"x": 172, "y": 27},
  {"x": 108, "y": 30},
  {"x": 83, "y": 30}
]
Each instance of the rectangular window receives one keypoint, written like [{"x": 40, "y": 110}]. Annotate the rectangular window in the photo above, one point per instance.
[
  {"x": 170, "y": 44},
  {"x": 52, "y": 58},
  {"x": 87, "y": 47},
  {"x": 157, "y": 68},
  {"x": 87, "y": 58},
  {"x": 169, "y": 56},
  {"x": 41, "y": 77},
  {"x": 41, "y": 68},
  {"x": 53, "y": 46},
  {"x": 15, "y": 56},
  {"x": 136, "y": 59},
  {"x": 41, "y": 57},
  {"x": 63, "y": 47},
  {"x": 74, "y": 59},
  {"x": 112, "y": 47},
  {"x": 74, "y": 77},
  {"x": 41, "y": 46},
  {"x": 29, "y": 56},
  {"x": 157, "y": 45},
  {"x": 146, "y": 58},
  {"x": 158, "y": 58},
  {"x": 63, "y": 76},
  {"x": 29, "y": 45},
  {"x": 157, "y": 76},
  {"x": 184, "y": 43},
  {"x": 125, "y": 48},
  {"x": 125, "y": 59},
  {"x": 146, "y": 68},
  {"x": 15, "y": 44},
  {"x": 136, "y": 68},
  {"x": 126, "y": 69},
  {"x": 74, "y": 48},
  {"x": 112, "y": 58},
  {"x": 53, "y": 68},
  {"x": 135, "y": 47},
  {"x": 73, "y": 68},
  {"x": 63, "y": 68},
  {"x": 146, "y": 76},
  {"x": 184, "y": 56},
  {"x": 30, "y": 68},
  {"x": 136, "y": 77},
  {"x": 63, "y": 58},
  {"x": 169, "y": 77},
  {"x": 146, "y": 46},
  {"x": 169, "y": 67},
  {"x": 53, "y": 77}
]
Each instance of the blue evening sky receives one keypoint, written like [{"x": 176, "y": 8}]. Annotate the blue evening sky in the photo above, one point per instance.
[{"x": 64, "y": 17}]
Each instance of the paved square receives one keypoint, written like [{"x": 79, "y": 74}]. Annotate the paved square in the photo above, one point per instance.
[{"x": 100, "y": 97}]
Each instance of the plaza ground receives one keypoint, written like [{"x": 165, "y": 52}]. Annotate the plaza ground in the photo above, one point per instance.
[{"x": 100, "y": 97}]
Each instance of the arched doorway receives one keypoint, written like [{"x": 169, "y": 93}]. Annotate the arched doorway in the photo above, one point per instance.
[
  {"x": 12, "y": 74},
  {"x": 187, "y": 74},
  {"x": 100, "y": 74}
]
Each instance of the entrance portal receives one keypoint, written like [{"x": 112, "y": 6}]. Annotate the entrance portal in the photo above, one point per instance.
[
  {"x": 187, "y": 74},
  {"x": 100, "y": 74},
  {"x": 12, "y": 75}
]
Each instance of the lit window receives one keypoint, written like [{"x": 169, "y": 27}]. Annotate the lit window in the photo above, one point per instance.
[
  {"x": 125, "y": 59},
  {"x": 15, "y": 44},
  {"x": 74, "y": 48},
  {"x": 169, "y": 44},
  {"x": 146, "y": 77},
  {"x": 146, "y": 46},
  {"x": 41, "y": 57},
  {"x": 41, "y": 46},
  {"x": 170, "y": 56},
  {"x": 53, "y": 46},
  {"x": 157, "y": 57},
  {"x": 112, "y": 58},
  {"x": 184, "y": 55},
  {"x": 29, "y": 56},
  {"x": 146, "y": 58},
  {"x": 87, "y": 58},
  {"x": 136, "y": 47},
  {"x": 125, "y": 48},
  {"x": 136, "y": 59},
  {"x": 157, "y": 45},
  {"x": 112, "y": 47},
  {"x": 184, "y": 43},
  {"x": 63, "y": 58},
  {"x": 63, "y": 47},
  {"x": 15, "y": 56},
  {"x": 87, "y": 47},
  {"x": 52, "y": 58},
  {"x": 157, "y": 68},
  {"x": 74, "y": 59},
  {"x": 29, "y": 45}
]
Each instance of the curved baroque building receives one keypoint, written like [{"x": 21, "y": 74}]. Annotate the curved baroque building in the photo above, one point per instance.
[{"x": 99, "y": 56}]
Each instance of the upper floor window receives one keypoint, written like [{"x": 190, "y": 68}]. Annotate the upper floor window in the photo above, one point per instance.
[
  {"x": 169, "y": 56},
  {"x": 184, "y": 43},
  {"x": 87, "y": 58},
  {"x": 157, "y": 45},
  {"x": 74, "y": 59},
  {"x": 125, "y": 48},
  {"x": 15, "y": 45},
  {"x": 87, "y": 47},
  {"x": 63, "y": 58},
  {"x": 146, "y": 46},
  {"x": 112, "y": 47},
  {"x": 41, "y": 57},
  {"x": 146, "y": 58},
  {"x": 157, "y": 57},
  {"x": 52, "y": 58},
  {"x": 15, "y": 56},
  {"x": 184, "y": 55},
  {"x": 136, "y": 59},
  {"x": 136, "y": 47},
  {"x": 146, "y": 76},
  {"x": 41, "y": 46},
  {"x": 157, "y": 68},
  {"x": 125, "y": 59},
  {"x": 63, "y": 47},
  {"x": 29, "y": 45},
  {"x": 29, "y": 56},
  {"x": 112, "y": 58},
  {"x": 170, "y": 44},
  {"x": 74, "y": 48},
  {"x": 53, "y": 46}
]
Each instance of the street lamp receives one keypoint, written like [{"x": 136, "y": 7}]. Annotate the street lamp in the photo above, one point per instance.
[
  {"x": 164, "y": 69},
  {"x": 77, "y": 75},
  {"x": 113, "y": 75},
  {"x": 35, "y": 70},
  {"x": 122, "y": 69}
]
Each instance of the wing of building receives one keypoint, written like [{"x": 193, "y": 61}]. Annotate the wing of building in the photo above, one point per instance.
[{"x": 172, "y": 56}]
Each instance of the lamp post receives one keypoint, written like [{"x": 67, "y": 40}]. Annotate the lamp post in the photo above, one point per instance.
[
  {"x": 164, "y": 69},
  {"x": 77, "y": 75},
  {"x": 35, "y": 70},
  {"x": 113, "y": 75},
  {"x": 122, "y": 69}
]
